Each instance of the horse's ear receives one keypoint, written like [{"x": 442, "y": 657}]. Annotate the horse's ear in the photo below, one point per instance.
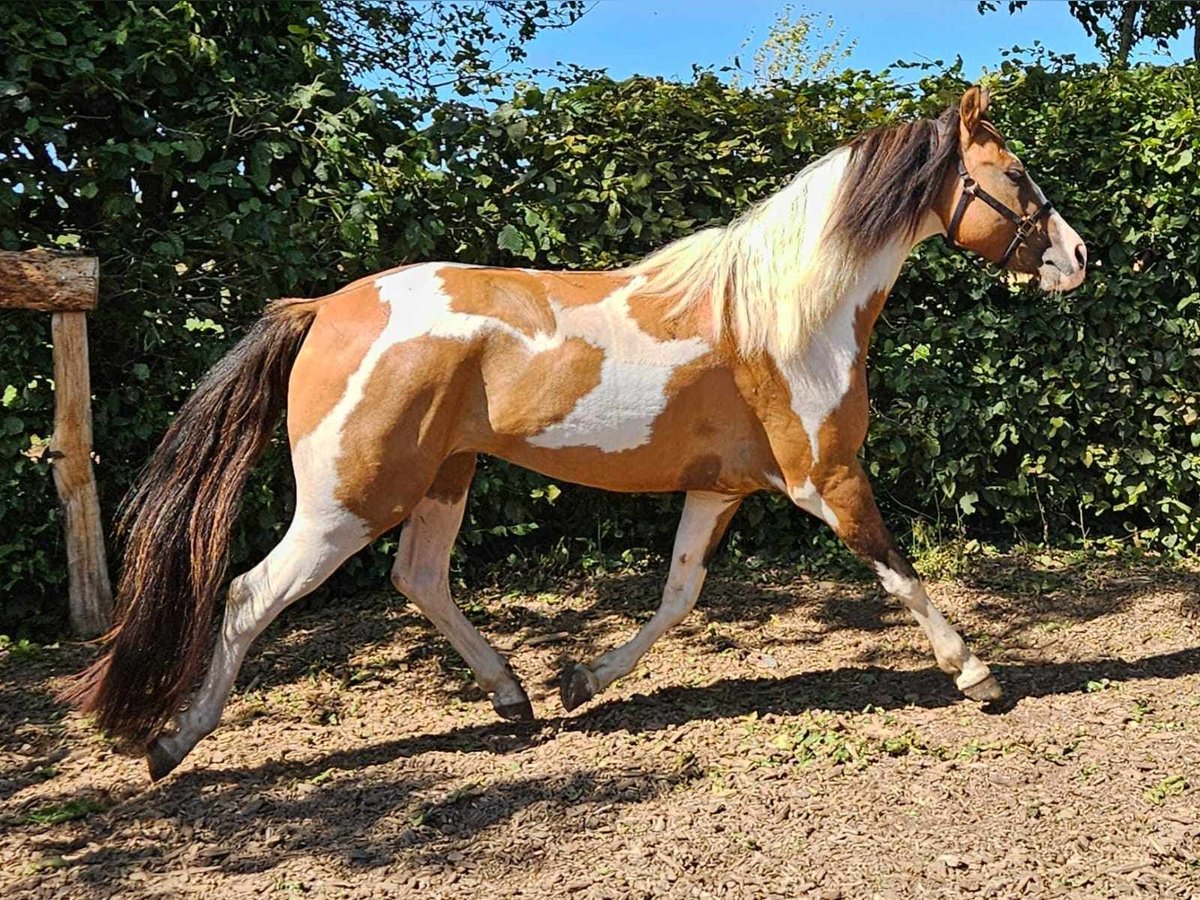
[{"x": 973, "y": 108}]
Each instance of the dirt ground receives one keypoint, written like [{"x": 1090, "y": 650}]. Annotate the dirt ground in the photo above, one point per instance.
[{"x": 791, "y": 739}]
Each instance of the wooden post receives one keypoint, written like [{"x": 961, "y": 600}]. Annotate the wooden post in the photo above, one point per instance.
[
  {"x": 51, "y": 282},
  {"x": 66, "y": 286}
]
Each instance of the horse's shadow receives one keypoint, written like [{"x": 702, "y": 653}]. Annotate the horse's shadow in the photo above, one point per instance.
[{"x": 1014, "y": 596}]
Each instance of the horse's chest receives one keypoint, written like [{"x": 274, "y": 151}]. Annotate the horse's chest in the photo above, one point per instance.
[{"x": 813, "y": 408}]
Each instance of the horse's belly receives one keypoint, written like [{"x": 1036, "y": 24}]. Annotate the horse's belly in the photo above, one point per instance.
[{"x": 702, "y": 436}]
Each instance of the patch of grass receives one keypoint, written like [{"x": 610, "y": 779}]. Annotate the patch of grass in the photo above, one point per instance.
[
  {"x": 821, "y": 737},
  {"x": 18, "y": 650},
  {"x": 470, "y": 789},
  {"x": 57, "y": 813},
  {"x": 970, "y": 750},
  {"x": 938, "y": 557},
  {"x": 903, "y": 744},
  {"x": 1171, "y": 786},
  {"x": 1140, "y": 710},
  {"x": 45, "y": 864},
  {"x": 253, "y": 706},
  {"x": 806, "y": 741}
]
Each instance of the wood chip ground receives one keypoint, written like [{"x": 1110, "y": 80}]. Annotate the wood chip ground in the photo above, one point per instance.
[{"x": 791, "y": 739}]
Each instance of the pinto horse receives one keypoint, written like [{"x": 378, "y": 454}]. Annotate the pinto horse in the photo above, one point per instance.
[{"x": 731, "y": 361}]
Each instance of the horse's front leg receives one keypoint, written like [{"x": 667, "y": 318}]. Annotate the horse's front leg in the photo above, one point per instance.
[
  {"x": 705, "y": 518},
  {"x": 842, "y": 497}
]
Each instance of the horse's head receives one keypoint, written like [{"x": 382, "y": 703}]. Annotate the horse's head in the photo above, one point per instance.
[{"x": 990, "y": 205}]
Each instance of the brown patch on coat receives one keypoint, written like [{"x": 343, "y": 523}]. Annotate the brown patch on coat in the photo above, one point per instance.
[
  {"x": 527, "y": 393},
  {"x": 580, "y": 288},
  {"x": 846, "y": 489},
  {"x": 652, "y": 314},
  {"x": 864, "y": 322},
  {"x": 701, "y": 473},
  {"x": 838, "y": 476},
  {"x": 346, "y": 325},
  {"x": 453, "y": 479},
  {"x": 511, "y": 296},
  {"x": 416, "y": 410},
  {"x": 766, "y": 392},
  {"x": 675, "y": 457},
  {"x": 843, "y": 432}
]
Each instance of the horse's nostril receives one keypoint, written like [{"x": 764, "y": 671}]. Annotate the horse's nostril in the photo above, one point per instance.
[{"x": 1081, "y": 255}]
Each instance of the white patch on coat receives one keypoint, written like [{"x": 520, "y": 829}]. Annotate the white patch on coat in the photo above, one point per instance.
[
  {"x": 907, "y": 589},
  {"x": 619, "y": 412},
  {"x": 1059, "y": 270},
  {"x": 819, "y": 377},
  {"x": 807, "y": 498},
  {"x": 416, "y": 306}
]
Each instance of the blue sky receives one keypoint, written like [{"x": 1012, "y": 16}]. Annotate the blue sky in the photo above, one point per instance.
[{"x": 665, "y": 37}]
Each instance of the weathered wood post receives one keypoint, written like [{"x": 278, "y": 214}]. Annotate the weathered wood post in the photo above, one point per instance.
[{"x": 66, "y": 287}]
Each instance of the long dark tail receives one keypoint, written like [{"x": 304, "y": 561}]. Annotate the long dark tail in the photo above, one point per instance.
[{"x": 178, "y": 519}]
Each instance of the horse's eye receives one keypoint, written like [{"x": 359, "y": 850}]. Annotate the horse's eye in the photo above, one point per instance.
[{"x": 1015, "y": 175}]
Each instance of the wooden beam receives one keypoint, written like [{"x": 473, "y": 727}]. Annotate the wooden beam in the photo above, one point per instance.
[
  {"x": 51, "y": 282},
  {"x": 89, "y": 589}
]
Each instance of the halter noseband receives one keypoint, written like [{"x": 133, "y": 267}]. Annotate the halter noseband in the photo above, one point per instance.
[{"x": 971, "y": 190}]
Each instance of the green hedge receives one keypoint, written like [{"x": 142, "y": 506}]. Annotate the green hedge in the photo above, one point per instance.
[{"x": 213, "y": 158}]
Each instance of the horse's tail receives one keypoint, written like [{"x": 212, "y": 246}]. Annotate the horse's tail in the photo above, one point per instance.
[{"x": 178, "y": 519}]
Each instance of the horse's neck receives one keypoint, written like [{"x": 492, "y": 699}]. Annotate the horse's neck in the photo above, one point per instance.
[{"x": 845, "y": 333}]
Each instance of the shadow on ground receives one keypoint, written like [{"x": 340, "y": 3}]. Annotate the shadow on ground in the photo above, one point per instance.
[
  {"x": 32, "y": 737},
  {"x": 253, "y": 834},
  {"x": 1020, "y": 591},
  {"x": 256, "y": 816}
]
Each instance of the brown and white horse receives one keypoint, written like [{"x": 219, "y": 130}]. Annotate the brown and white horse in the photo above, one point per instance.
[{"x": 729, "y": 362}]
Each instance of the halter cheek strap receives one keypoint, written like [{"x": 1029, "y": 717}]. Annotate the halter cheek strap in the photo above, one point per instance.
[{"x": 971, "y": 190}]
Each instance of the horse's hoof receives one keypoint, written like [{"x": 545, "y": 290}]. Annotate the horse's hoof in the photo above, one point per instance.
[
  {"x": 159, "y": 761},
  {"x": 984, "y": 691},
  {"x": 578, "y": 687},
  {"x": 521, "y": 711}
]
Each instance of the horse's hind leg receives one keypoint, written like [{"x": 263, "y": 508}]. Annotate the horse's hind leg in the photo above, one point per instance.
[
  {"x": 705, "y": 518},
  {"x": 422, "y": 573},
  {"x": 298, "y": 565}
]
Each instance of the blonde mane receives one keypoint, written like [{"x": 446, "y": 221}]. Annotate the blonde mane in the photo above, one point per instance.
[{"x": 774, "y": 274}]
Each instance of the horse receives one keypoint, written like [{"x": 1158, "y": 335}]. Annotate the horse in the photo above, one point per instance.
[{"x": 729, "y": 362}]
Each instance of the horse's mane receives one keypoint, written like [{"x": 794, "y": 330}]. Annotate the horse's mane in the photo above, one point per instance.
[
  {"x": 775, "y": 273},
  {"x": 893, "y": 178}
]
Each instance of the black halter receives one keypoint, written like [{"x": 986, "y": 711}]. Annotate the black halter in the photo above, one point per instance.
[{"x": 971, "y": 190}]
